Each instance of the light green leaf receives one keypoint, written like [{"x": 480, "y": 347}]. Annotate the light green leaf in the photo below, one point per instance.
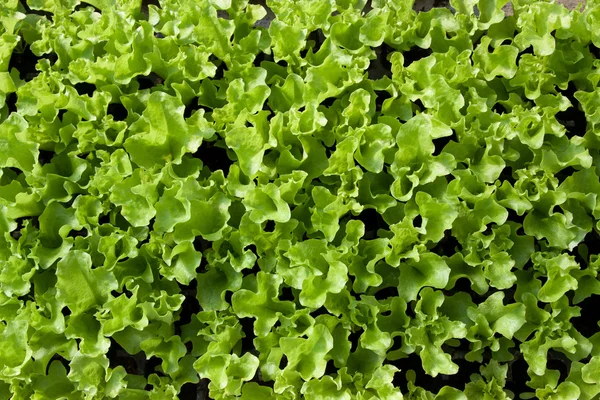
[{"x": 80, "y": 287}]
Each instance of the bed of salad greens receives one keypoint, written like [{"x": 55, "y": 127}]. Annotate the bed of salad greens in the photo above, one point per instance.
[{"x": 318, "y": 199}]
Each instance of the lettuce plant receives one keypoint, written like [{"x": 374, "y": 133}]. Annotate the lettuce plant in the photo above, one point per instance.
[{"x": 320, "y": 199}]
